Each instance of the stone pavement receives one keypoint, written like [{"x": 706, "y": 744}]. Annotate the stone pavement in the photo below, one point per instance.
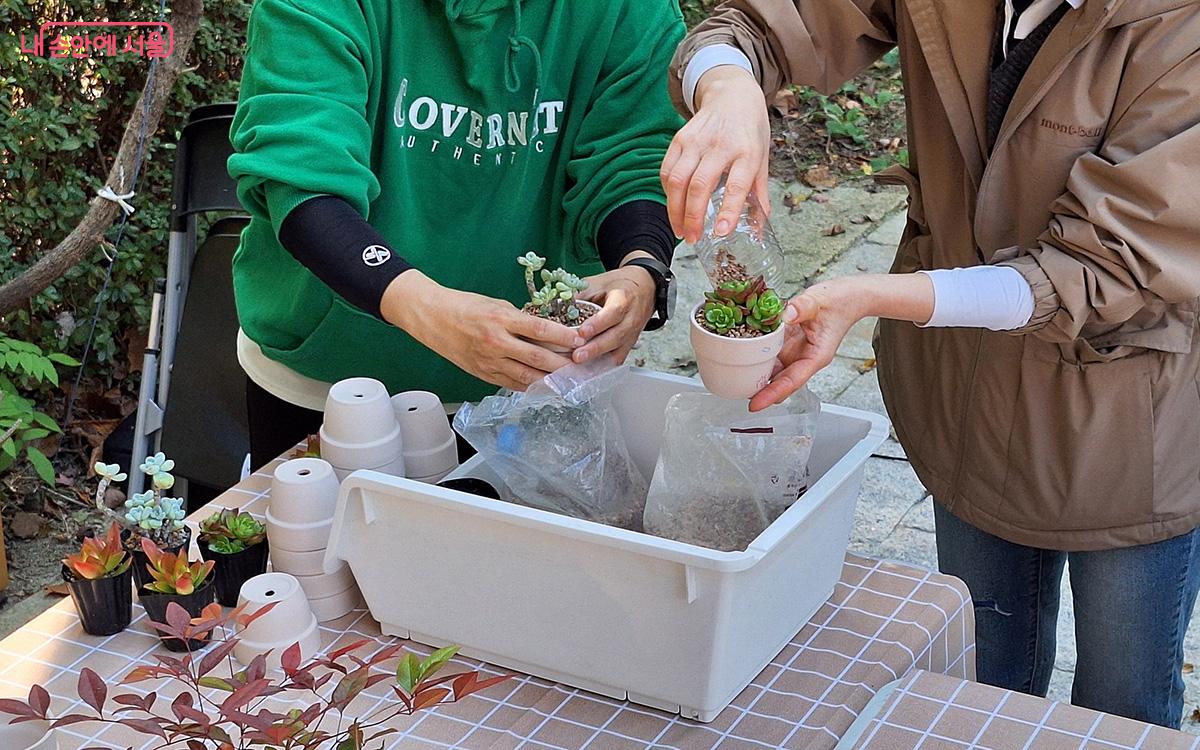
[{"x": 894, "y": 518}]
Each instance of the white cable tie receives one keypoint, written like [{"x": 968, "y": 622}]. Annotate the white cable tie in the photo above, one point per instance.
[{"x": 121, "y": 200}]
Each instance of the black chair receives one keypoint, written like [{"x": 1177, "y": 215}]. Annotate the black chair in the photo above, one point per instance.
[{"x": 192, "y": 403}]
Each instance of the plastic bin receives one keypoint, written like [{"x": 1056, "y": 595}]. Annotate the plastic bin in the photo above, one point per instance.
[{"x": 623, "y": 614}]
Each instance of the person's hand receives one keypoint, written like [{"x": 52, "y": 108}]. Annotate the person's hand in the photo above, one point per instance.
[
  {"x": 487, "y": 338},
  {"x": 627, "y": 299},
  {"x": 816, "y": 322},
  {"x": 820, "y": 318},
  {"x": 730, "y": 134}
]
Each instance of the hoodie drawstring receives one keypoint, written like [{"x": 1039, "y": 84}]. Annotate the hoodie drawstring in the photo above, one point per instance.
[{"x": 512, "y": 76}]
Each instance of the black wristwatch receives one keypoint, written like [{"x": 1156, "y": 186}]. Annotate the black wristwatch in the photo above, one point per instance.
[{"x": 664, "y": 290}]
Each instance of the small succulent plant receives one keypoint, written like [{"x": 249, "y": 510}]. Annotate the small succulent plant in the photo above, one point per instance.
[
  {"x": 172, "y": 573},
  {"x": 556, "y": 297},
  {"x": 231, "y": 531},
  {"x": 746, "y": 302},
  {"x": 148, "y": 513},
  {"x": 100, "y": 557}
]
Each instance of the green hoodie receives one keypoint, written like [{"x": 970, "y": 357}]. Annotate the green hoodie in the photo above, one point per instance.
[{"x": 467, "y": 132}]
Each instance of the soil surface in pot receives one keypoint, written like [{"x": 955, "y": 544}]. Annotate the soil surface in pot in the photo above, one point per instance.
[
  {"x": 585, "y": 312},
  {"x": 739, "y": 332}
]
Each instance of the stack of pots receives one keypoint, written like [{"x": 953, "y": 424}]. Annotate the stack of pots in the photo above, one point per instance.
[
  {"x": 430, "y": 447},
  {"x": 291, "y": 620},
  {"x": 360, "y": 429},
  {"x": 303, "y": 499}
]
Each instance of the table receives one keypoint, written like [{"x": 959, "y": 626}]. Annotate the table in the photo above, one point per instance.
[
  {"x": 938, "y": 712},
  {"x": 884, "y": 621}
]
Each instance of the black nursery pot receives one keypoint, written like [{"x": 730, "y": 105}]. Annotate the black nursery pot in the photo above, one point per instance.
[
  {"x": 141, "y": 576},
  {"x": 234, "y": 569},
  {"x": 194, "y": 603},
  {"x": 105, "y": 605}
]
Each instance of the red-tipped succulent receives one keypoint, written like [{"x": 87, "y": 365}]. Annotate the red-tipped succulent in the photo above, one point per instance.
[{"x": 100, "y": 557}]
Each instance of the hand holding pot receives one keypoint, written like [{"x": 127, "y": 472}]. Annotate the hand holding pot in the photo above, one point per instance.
[
  {"x": 627, "y": 296},
  {"x": 488, "y": 338},
  {"x": 817, "y": 321}
]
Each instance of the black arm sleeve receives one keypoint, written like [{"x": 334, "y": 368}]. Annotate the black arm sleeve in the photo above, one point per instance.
[
  {"x": 341, "y": 249},
  {"x": 638, "y": 225}
]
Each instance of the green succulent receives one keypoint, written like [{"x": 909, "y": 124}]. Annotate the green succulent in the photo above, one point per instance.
[
  {"x": 532, "y": 263},
  {"x": 766, "y": 313},
  {"x": 722, "y": 317},
  {"x": 231, "y": 531}
]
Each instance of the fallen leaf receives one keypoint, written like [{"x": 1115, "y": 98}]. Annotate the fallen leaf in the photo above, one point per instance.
[
  {"x": 867, "y": 365},
  {"x": 1195, "y": 715},
  {"x": 26, "y": 525},
  {"x": 786, "y": 102},
  {"x": 58, "y": 589},
  {"x": 834, "y": 230},
  {"x": 1188, "y": 667},
  {"x": 793, "y": 200},
  {"x": 819, "y": 198},
  {"x": 820, "y": 177},
  {"x": 114, "y": 498},
  {"x": 864, "y": 219}
]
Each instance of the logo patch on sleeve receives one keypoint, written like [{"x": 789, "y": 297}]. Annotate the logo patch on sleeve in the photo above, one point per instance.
[{"x": 376, "y": 255}]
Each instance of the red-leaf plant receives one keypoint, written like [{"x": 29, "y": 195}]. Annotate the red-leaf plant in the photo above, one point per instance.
[{"x": 238, "y": 721}]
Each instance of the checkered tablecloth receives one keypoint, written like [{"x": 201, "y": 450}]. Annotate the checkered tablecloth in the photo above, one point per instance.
[
  {"x": 884, "y": 621},
  {"x": 938, "y": 712}
]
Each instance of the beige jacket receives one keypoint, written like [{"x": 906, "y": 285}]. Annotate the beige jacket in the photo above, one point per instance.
[{"x": 1083, "y": 430}]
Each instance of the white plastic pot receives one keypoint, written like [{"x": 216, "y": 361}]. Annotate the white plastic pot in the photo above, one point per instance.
[
  {"x": 433, "y": 478},
  {"x": 309, "y": 640},
  {"x": 734, "y": 368},
  {"x": 29, "y": 735},
  {"x": 339, "y": 605},
  {"x": 624, "y": 614},
  {"x": 349, "y": 455},
  {"x": 394, "y": 469},
  {"x": 357, "y": 410},
  {"x": 297, "y": 537},
  {"x": 325, "y": 585},
  {"x": 297, "y": 563},
  {"x": 430, "y": 447},
  {"x": 303, "y": 491}
]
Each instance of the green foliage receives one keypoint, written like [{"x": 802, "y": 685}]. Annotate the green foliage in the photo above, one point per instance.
[
  {"x": 24, "y": 368},
  {"x": 695, "y": 11},
  {"x": 556, "y": 298},
  {"x": 230, "y": 531},
  {"x": 63, "y": 122},
  {"x": 744, "y": 301}
]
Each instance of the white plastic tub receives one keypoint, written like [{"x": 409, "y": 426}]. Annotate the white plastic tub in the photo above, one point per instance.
[{"x": 664, "y": 624}]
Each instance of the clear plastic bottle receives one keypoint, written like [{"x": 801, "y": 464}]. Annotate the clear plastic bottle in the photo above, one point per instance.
[{"x": 749, "y": 250}]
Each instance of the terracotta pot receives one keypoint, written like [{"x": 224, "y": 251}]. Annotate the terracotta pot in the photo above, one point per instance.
[
  {"x": 310, "y": 563},
  {"x": 234, "y": 569},
  {"x": 734, "y": 368},
  {"x": 297, "y": 537},
  {"x": 141, "y": 576},
  {"x": 339, "y": 605},
  {"x": 28, "y": 735},
  {"x": 195, "y": 602},
  {"x": 430, "y": 446},
  {"x": 357, "y": 410},
  {"x": 105, "y": 605},
  {"x": 304, "y": 490},
  {"x": 289, "y": 621},
  {"x": 564, "y": 350},
  {"x": 327, "y": 584}
]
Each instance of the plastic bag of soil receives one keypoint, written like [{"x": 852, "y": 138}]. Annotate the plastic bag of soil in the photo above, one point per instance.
[
  {"x": 725, "y": 474},
  {"x": 558, "y": 446}
]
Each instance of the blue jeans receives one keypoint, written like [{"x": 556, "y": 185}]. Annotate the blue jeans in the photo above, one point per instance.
[{"x": 1132, "y": 608}]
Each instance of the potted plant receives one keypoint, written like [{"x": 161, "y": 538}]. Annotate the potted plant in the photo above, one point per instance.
[
  {"x": 212, "y": 711},
  {"x": 557, "y": 299},
  {"x": 174, "y": 580},
  {"x": 98, "y": 578},
  {"x": 150, "y": 515},
  {"x": 237, "y": 542},
  {"x": 737, "y": 332}
]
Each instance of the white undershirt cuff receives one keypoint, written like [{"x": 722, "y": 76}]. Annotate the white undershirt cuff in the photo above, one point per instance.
[
  {"x": 712, "y": 56},
  {"x": 994, "y": 297}
]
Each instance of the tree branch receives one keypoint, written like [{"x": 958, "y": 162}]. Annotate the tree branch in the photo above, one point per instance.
[{"x": 86, "y": 235}]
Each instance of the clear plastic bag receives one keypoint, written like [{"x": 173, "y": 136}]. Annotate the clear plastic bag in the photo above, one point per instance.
[
  {"x": 559, "y": 447},
  {"x": 725, "y": 474},
  {"x": 750, "y": 250}
]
